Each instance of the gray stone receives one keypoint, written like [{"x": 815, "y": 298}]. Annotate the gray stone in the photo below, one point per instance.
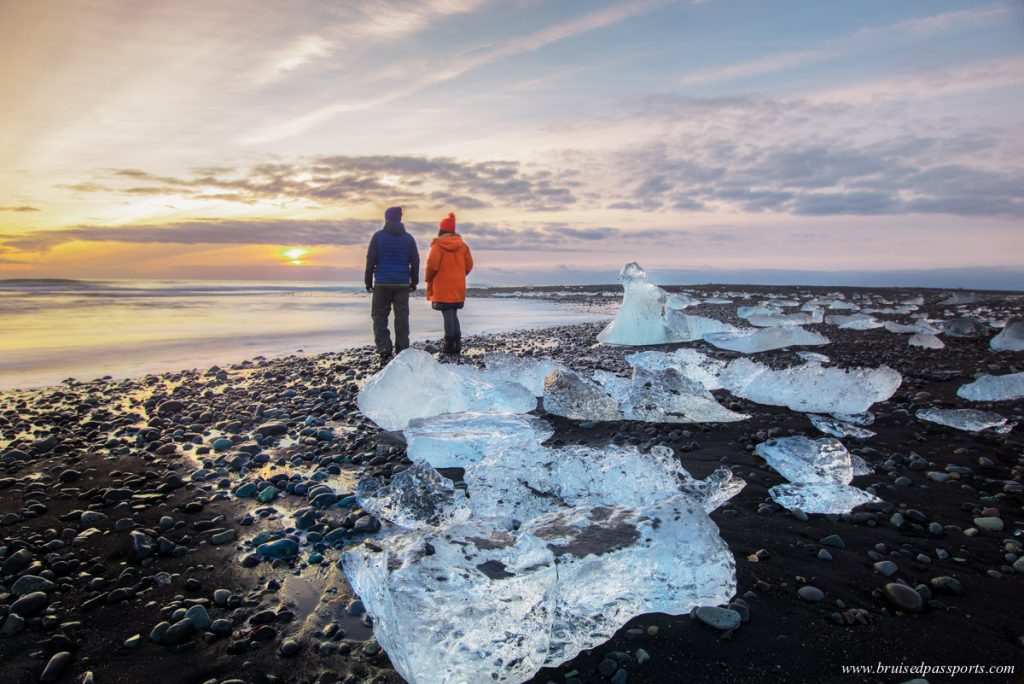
[
  {"x": 289, "y": 647},
  {"x": 30, "y": 604},
  {"x": 809, "y": 593},
  {"x": 141, "y": 546},
  {"x": 178, "y": 633},
  {"x": 279, "y": 548},
  {"x": 223, "y": 537},
  {"x": 719, "y": 618},
  {"x": 903, "y": 597},
  {"x": 887, "y": 568},
  {"x": 989, "y": 522},
  {"x": 833, "y": 540},
  {"x": 199, "y": 617},
  {"x": 28, "y": 584},
  {"x": 947, "y": 585},
  {"x": 55, "y": 667}
]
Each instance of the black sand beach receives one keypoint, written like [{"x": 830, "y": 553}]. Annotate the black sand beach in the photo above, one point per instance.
[{"x": 120, "y": 511}]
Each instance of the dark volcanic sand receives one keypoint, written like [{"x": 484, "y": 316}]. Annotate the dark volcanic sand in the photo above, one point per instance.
[{"x": 115, "y": 452}]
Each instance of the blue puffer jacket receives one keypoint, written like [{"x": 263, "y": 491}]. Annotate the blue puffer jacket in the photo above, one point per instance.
[{"x": 392, "y": 257}]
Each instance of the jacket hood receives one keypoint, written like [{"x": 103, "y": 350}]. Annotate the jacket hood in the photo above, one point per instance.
[
  {"x": 450, "y": 243},
  {"x": 394, "y": 227}
]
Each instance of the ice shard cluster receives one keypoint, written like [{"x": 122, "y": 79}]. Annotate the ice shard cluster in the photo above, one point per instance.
[
  {"x": 415, "y": 385},
  {"x": 994, "y": 388},
  {"x": 819, "y": 473},
  {"x": 649, "y": 315},
  {"x": 561, "y": 548}
]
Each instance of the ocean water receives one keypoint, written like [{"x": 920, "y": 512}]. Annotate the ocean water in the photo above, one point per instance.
[{"x": 52, "y": 330}]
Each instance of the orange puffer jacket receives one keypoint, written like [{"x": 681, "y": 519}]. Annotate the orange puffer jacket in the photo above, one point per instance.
[{"x": 449, "y": 263}]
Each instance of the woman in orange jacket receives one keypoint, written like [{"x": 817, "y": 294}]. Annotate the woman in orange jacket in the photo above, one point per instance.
[{"x": 449, "y": 263}]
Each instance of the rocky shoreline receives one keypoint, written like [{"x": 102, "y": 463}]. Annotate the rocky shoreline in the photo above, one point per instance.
[{"x": 187, "y": 526}]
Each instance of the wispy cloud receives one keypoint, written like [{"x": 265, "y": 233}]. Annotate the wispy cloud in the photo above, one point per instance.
[
  {"x": 342, "y": 233},
  {"x": 849, "y": 43},
  {"x": 586, "y": 23},
  {"x": 411, "y": 180},
  {"x": 23, "y": 208}
]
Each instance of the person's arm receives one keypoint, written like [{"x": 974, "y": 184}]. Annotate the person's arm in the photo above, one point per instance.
[
  {"x": 433, "y": 264},
  {"x": 469, "y": 260},
  {"x": 414, "y": 263},
  {"x": 371, "y": 263}
]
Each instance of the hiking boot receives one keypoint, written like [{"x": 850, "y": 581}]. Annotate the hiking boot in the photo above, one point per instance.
[
  {"x": 384, "y": 356},
  {"x": 457, "y": 346}
]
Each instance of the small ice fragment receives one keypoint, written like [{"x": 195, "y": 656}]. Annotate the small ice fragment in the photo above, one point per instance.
[
  {"x": 801, "y": 459},
  {"x": 784, "y": 320},
  {"x": 417, "y": 498},
  {"x": 862, "y": 419},
  {"x": 458, "y": 440},
  {"x": 854, "y": 322},
  {"x": 1011, "y": 338},
  {"x": 569, "y": 394},
  {"x": 765, "y": 339},
  {"x": 903, "y": 328},
  {"x": 415, "y": 385},
  {"x": 925, "y": 341},
  {"x": 813, "y": 356},
  {"x": 820, "y": 497},
  {"x": 837, "y": 428},
  {"x": 994, "y": 388},
  {"x": 970, "y": 420}
]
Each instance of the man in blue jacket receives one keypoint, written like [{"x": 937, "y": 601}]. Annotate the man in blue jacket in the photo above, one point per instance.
[{"x": 392, "y": 272}]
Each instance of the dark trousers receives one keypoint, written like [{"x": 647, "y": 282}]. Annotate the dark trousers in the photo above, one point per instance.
[
  {"x": 452, "y": 330},
  {"x": 384, "y": 298}
]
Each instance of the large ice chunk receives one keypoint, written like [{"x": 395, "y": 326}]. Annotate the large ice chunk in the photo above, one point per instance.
[
  {"x": 970, "y": 420},
  {"x": 528, "y": 481},
  {"x": 664, "y": 396},
  {"x": 810, "y": 387},
  {"x": 967, "y": 326},
  {"x": 812, "y": 497},
  {"x": 1011, "y": 338},
  {"x": 417, "y": 498},
  {"x": 801, "y": 459},
  {"x": 649, "y": 315},
  {"x": 765, "y": 339},
  {"x": 528, "y": 371},
  {"x": 415, "y": 385},
  {"x": 458, "y": 440},
  {"x": 467, "y": 603},
  {"x": 926, "y": 341},
  {"x": 994, "y": 388},
  {"x": 569, "y": 394},
  {"x": 615, "y": 563}
]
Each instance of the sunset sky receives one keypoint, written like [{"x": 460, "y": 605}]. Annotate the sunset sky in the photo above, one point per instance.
[{"x": 255, "y": 139}]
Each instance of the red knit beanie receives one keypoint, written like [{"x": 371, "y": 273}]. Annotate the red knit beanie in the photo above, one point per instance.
[{"x": 448, "y": 224}]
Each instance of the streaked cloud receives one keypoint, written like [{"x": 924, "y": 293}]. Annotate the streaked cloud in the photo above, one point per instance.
[{"x": 22, "y": 208}]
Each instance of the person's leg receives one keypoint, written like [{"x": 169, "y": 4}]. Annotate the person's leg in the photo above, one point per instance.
[
  {"x": 380, "y": 309},
  {"x": 401, "y": 299},
  {"x": 449, "y": 330},
  {"x": 456, "y": 333}
]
